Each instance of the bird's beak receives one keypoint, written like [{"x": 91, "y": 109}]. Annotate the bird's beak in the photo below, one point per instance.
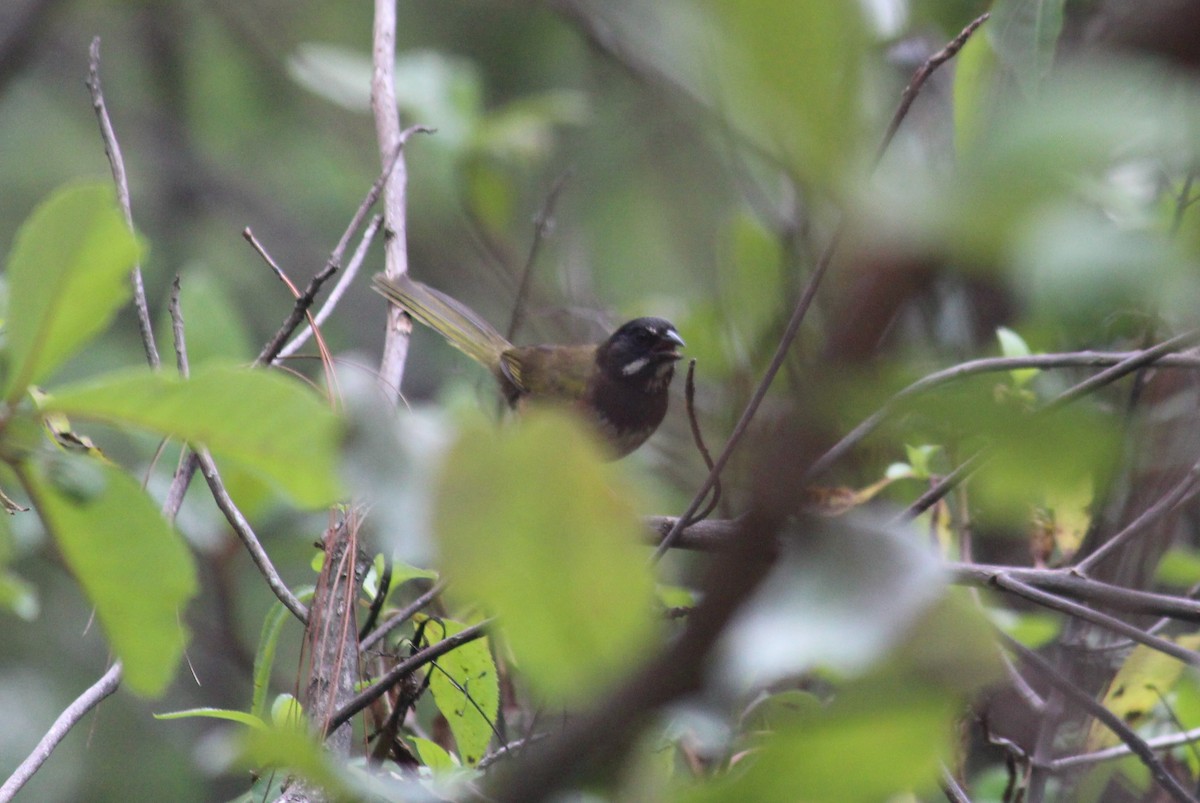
[{"x": 666, "y": 347}]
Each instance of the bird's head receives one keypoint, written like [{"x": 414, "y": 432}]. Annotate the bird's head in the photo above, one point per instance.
[{"x": 642, "y": 351}]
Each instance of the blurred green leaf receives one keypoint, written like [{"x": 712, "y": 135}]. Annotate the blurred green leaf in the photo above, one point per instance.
[
  {"x": 1179, "y": 567},
  {"x": 263, "y": 420},
  {"x": 975, "y": 93},
  {"x": 1024, "y": 34},
  {"x": 18, "y": 596},
  {"x": 791, "y": 80},
  {"x": 1013, "y": 345},
  {"x": 134, "y": 568},
  {"x": 67, "y": 277},
  {"x": 752, "y": 285},
  {"x": 287, "y": 712},
  {"x": 466, "y": 689},
  {"x": 295, "y": 750},
  {"x": 536, "y": 527},
  {"x": 1032, "y": 629},
  {"x": 523, "y": 130},
  {"x": 906, "y": 729},
  {"x": 268, "y": 641}
]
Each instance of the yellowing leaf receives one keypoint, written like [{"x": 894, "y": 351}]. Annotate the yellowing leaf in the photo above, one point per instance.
[{"x": 466, "y": 689}]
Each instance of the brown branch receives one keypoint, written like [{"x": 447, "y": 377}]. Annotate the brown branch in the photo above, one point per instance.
[
  {"x": 70, "y": 716},
  {"x": 403, "y": 670},
  {"x": 1110, "y": 720},
  {"x": 400, "y": 617},
  {"x": 800, "y": 311},
  {"x": 112, "y": 149}
]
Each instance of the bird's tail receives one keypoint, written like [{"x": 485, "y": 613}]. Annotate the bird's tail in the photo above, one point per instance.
[{"x": 456, "y": 322}]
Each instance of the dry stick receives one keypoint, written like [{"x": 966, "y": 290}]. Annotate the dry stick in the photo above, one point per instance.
[
  {"x": 391, "y": 141},
  {"x": 1136, "y": 360},
  {"x": 810, "y": 291},
  {"x": 1078, "y": 611},
  {"x": 543, "y": 223},
  {"x": 393, "y": 163},
  {"x": 113, "y": 149},
  {"x": 1184, "y": 490},
  {"x": 1120, "y": 751},
  {"x": 339, "y": 289},
  {"x": 400, "y": 617},
  {"x": 402, "y": 670},
  {"x": 689, "y": 396},
  {"x": 1111, "y": 721},
  {"x": 985, "y": 365},
  {"x": 71, "y": 715}
]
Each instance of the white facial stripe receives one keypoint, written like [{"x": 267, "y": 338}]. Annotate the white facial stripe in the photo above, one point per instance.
[{"x": 633, "y": 367}]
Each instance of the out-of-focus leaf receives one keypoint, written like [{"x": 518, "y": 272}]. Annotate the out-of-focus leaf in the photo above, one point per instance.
[
  {"x": 906, "y": 728},
  {"x": 68, "y": 275},
  {"x": 790, "y": 78},
  {"x": 843, "y": 595},
  {"x": 1034, "y": 629},
  {"x": 536, "y": 527},
  {"x": 1179, "y": 567},
  {"x": 133, "y": 567},
  {"x": 263, "y": 420},
  {"x": 18, "y": 596},
  {"x": 523, "y": 130},
  {"x": 752, "y": 285},
  {"x": 466, "y": 689},
  {"x": 1024, "y": 34},
  {"x": 295, "y": 750},
  {"x": 974, "y": 92},
  {"x": 287, "y": 712}
]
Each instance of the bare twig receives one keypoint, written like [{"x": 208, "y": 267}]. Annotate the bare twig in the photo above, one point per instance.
[
  {"x": 800, "y": 311},
  {"x": 339, "y": 289},
  {"x": 391, "y": 143},
  {"x": 1110, "y": 720},
  {"x": 403, "y": 669},
  {"x": 246, "y": 533},
  {"x": 113, "y": 149},
  {"x": 400, "y": 617},
  {"x": 954, "y": 373},
  {"x": 689, "y": 395},
  {"x": 543, "y": 224},
  {"x": 1120, "y": 751},
  {"x": 70, "y": 716}
]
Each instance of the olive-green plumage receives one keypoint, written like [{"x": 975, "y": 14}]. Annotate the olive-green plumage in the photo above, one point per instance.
[{"x": 621, "y": 384}]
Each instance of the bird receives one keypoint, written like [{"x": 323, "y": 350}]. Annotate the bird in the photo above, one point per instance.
[{"x": 620, "y": 385}]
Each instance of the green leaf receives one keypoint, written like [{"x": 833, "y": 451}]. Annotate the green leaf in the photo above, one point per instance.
[
  {"x": 433, "y": 755},
  {"x": 1013, "y": 345},
  {"x": 212, "y": 325},
  {"x": 287, "y": 712},
  {"x": 791, "y": 79},
  {"x": 1024, "y": 34},
  {"x": 974, "y": 92},
  {"x": 261, "y": 419},
  {"x": 268, "y": 641},
  {"x": 466, "y": 689},
  {"x": 216, "y": 713},
  {"x": 67, "y": 277},
  {"x": 296, "y": 750},
  {"x": 536, "y": 527},
  {"x": 134, "y": 568},
  {"x": 19, "y": 596}
]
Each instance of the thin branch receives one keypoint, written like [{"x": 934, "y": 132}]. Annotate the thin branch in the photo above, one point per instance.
[
  {"x": 1184, "y": 490},
  {"x": 689, "y": 395},
  {"x": 339, "y": 289},
  {"x": 543, "y": 224},
  {"x": 952, "y": 789},
  {"x": 1136, "y": 361},
  {"x": 1110, "y": 720},
  {"x": 402, "y": 670},
  {"x": 1120, "y": 751},
  {"x": 507, "y": 750},
  {"x": 393, "y": 163},
  {"x": 1047, "y": 600},
  {"x": 954, "y": 373},
  {"x": 113, "y": 150},
  {"x": 383, "y": 586},
  {"x": 391, "y": 145},
  {"x": 402, "y": 616},
  {"x": 245, "y": 532},
  {"x": 70, "y": 716},
  {"x": 922, "y": 75},
  {"x": 800, "y": 311}
]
